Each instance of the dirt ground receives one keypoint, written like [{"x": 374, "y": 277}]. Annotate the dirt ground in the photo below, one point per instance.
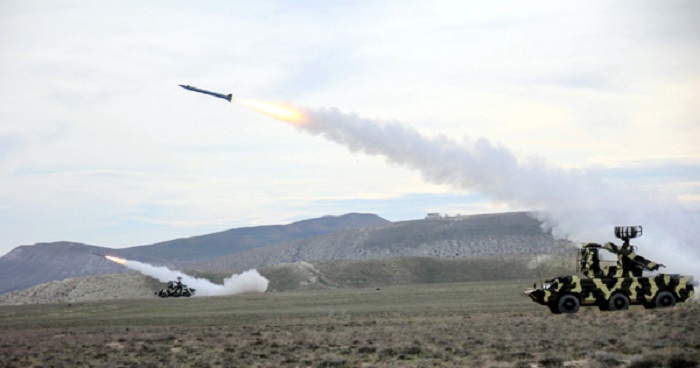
[{"x": 443, "y": 325}]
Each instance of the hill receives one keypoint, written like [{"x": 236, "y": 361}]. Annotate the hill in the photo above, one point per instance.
[
  {"x": 411, "y": 271},
  {"x": 241, "y": 239},
  {"x": 30, "y": 265},
  {"x": 501, "y": 234},
  {"x": 306, "y": 275},
  {"x": 348, "y": 237},
  {"x": 36, "y": 264}
]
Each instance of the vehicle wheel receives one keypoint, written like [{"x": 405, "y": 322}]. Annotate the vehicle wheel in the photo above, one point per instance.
[
  {"x": 162, "y": 294},
  {"x": 554, "y": 308},
  {"x": 568, "y": 304},
  {"x": 186, "y": 293},
  {"x": 618, "y": 302},
  {"x": 664, "y": 299}
]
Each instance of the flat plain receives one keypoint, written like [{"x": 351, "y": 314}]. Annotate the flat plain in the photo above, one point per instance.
[{"x": 474, "y": 324}]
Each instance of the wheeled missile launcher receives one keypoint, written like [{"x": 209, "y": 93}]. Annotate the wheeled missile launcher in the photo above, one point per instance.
[
  {"x": 175, "y": 289},
  {"x": 613, "y": 287}
]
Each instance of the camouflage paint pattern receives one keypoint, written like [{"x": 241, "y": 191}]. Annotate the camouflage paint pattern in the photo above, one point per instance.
[
  {"x": 175, "y": 289},
  {"x": 597, "y": 291},
  {"x": 612, "y": 287},
  {"x": 629, "y": 264}
]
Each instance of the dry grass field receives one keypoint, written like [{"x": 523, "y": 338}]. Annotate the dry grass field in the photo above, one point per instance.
[{"x": 478, "y": 324}]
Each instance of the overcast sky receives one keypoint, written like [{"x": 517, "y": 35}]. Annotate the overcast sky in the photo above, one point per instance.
[{"x": 99, "y": 145}]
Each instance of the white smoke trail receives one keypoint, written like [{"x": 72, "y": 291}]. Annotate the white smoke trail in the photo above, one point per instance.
[
  {"x": 246, "y": 282},
  {"x": 574, "y": 204}
]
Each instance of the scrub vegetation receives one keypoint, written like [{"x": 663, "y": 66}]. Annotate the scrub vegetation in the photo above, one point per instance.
[{"x": 479, "y": 324}]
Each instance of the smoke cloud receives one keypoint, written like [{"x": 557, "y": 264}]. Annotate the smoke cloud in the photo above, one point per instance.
[
  {"x": 578, "y": 205},
  {"x": 247, "y": 282}
]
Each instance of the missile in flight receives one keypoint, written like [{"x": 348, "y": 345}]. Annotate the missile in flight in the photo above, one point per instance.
[{"x": 227, "y": 97}]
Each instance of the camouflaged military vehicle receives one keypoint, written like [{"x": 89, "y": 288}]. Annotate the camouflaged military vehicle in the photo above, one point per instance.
[
  {"x": 175, "y": 289},
  {"x": 613, "y": 287}
]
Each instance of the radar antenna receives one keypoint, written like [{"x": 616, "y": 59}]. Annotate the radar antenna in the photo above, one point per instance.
[{"x": 625, "y": 233}]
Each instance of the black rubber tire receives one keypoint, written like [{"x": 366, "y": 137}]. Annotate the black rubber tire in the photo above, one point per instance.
[
  {"x": 664, "y": 299},
  {"x": 618, "y": 302},
  {"x": 554, "y": 308},
  {"x": 569, "y": 304}
]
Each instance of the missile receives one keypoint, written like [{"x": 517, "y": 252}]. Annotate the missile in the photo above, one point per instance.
[
  {"x": 98, "y": 254},
  {"x": 227, "y": 97}
]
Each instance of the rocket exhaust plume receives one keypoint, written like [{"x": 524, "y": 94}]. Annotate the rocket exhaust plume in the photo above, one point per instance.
[
  {"x": 277, "y": 111},
  {"x": 116, "y": 259},
  {"x": 247, "y": 282},
  {"x": 573, "y": 204}
]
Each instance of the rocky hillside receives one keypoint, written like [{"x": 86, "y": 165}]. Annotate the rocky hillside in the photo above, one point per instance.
[
  {"x": 31, "y": 265},
  {"x": 26, "y": 266},
  {"x": 309, "y": 275},
  {"x": 87, "y": 288},
  {"x": 459, "y": 237},
  {"x": 348, "y": 237},
  {"x": 412, "y": 270},
  {"x": 241, "y": 239}
]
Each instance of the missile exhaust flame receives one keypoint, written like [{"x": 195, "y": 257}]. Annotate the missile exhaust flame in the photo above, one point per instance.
[
  {"x": 116, "y": 259},
  {"x": 278, "y": 111}
]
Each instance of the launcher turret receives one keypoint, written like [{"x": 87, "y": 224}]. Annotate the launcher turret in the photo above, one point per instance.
[
  {"x": 629, "y": 264},
  {"x": 613, "y": 287},
  {"x": 175, "y": 289}
]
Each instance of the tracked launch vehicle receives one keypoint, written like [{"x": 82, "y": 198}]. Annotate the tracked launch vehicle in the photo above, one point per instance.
[
  {"x": 175, "y": 289},
  {"x": 613, "y": 287}
]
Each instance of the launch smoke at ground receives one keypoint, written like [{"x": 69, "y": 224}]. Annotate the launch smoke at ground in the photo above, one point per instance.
[
  {"x": 575, "y": 204},
  {"x": 247, "y": 282}
]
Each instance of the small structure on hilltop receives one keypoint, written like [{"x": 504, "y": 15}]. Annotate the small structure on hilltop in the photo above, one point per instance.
[{"x": 613, "y": 287}]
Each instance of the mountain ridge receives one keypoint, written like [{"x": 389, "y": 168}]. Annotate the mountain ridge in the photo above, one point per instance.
[
  {"x": 512, "y": 233},
  {"x": 245, "y": 238},
  {"x": 371, "y": 273},
  {"x": 29, "y": 265}
]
